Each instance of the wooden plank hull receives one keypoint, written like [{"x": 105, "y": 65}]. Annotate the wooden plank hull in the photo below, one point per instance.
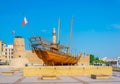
[{"x": 52, "y": 58}]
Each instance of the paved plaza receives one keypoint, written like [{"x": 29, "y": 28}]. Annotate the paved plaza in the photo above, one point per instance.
[{"x": 17, "y": 78}]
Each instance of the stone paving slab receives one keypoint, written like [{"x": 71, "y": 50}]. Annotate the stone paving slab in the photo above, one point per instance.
[
  {"x": 89, "y": 80},
  {"x": 71, "y": 80},
  {"x": 60, "y": 80},
  {"x": 5, "y": 79},
  {"x": 8, "y": 79},
  {"x": 104, "y": 83},
  {"x": 5, "y": 69},
  {"x": 51, "y": 83},
  {"x": 116, "y": 74}
]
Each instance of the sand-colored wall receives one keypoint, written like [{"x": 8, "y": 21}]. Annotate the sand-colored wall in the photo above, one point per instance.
[
  {"x": 33, "y": 58},
  {"x": 67, "y": 70},
  {"x": 84, "y": 60}
]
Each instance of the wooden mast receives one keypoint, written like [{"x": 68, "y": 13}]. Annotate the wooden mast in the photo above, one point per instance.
[
  {"x": 70, "y": 39},
  {"x": 58, "y": 30}
]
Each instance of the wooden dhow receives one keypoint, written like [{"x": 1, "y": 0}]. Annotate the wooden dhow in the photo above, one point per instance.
[{"x": 52, "y": 53}]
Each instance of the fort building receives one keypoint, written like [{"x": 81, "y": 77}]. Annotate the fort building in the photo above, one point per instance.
[
  {"x": 21, "y": 57},
  {"x": 19, "y": 53},
  {"x": 84, "y": 60},
  {"x": 2, "y": 51}
]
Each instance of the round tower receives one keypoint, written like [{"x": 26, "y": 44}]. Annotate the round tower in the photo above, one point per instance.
[
  {"x": 19, "y": 55},
  {"x": 19, "y": 49}
]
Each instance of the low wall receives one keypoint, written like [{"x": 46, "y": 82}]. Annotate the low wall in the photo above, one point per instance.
[
  {"x": 116, "y": 68},
  {"x": 67, "y": 70}
]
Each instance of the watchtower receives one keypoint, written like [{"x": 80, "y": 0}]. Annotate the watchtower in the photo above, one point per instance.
[{"x": 19, "y": 49}]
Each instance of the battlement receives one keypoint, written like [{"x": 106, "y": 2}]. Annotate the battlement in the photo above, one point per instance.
[{"x": 18, "y": 37}]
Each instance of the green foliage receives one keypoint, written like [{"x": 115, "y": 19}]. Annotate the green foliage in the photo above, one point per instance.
[
  {"x": 91, "y": 59},
  {"x": 94, "y": 59}
]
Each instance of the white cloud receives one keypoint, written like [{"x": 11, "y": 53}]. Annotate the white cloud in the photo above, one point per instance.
[{"x": 116, "y": 26}]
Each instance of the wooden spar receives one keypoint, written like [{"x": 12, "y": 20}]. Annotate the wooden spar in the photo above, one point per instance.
[
  {"x": 70, "y": 40},
  {"x": 58, "y": 30},
  {"x": 31, "y": 29}
]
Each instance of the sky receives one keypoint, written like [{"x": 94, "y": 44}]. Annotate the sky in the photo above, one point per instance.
[{"x": 96, "y": 24}]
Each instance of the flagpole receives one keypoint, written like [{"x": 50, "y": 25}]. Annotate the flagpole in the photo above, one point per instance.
[{"x": 31, "y": 29}]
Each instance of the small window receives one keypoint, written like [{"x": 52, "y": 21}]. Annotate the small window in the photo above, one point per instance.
[{"x": 19, "y": 56}]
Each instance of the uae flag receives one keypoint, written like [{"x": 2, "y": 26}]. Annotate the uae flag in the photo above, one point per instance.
[{"x": 24, "y": 21}]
